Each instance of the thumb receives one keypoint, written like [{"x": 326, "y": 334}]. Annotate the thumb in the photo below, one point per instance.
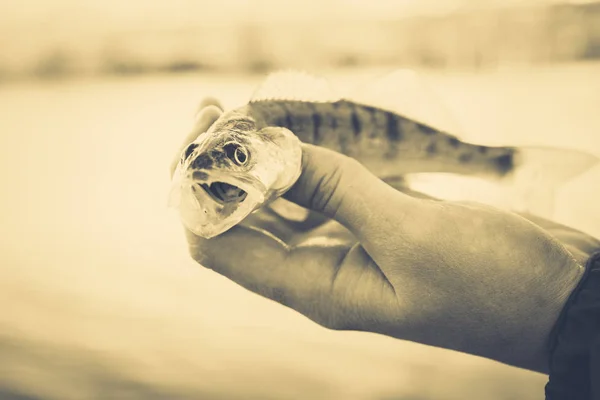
[{"x": 343, "y": 189}]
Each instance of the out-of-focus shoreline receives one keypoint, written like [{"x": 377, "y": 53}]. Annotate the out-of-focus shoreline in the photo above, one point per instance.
[{"x": 467, "y": 38}]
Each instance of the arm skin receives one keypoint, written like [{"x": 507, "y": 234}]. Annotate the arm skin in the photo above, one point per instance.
[{"x": 456, "y": 275}]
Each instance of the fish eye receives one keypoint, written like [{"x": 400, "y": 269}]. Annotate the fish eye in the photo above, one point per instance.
[
  {"x": 236, "y": 153},
  {"x": 240, "y": 156}
]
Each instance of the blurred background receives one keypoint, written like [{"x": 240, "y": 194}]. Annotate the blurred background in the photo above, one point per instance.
[
  {"x": 74, "y": 38},
  {"x": 98, "y": 298}
]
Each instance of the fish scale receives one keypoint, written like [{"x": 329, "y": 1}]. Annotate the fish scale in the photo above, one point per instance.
[{"x": 374, "y": 136}]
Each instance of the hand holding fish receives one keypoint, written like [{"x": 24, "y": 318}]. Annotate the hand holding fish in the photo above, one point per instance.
[{"x": 460, "y": 276}]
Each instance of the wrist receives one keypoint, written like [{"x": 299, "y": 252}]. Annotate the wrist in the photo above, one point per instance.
[{"x": 534, "y": 350}]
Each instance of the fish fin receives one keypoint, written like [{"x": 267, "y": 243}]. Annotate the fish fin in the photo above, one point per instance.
[
  {"x": 405, "y": 92},
  {"x": 174, "y": 196},
  {"x": 532, "y": 187},
  {"x": 398, "y": 182},
  {"x": 456, "y": 187},
  {"x": 540, "y": 172},
  {"x": 402, "y": 184},
  {"x": 288, "y": 210},
  {"x": 294, "y": 85}
]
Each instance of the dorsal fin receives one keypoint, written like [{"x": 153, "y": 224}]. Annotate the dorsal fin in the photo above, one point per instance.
[
  {"x": 294, "y": 85},
  {"x": 405, "y": 92}
]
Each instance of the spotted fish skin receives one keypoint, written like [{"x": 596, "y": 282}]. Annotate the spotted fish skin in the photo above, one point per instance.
[{"x": 384, "y": 141}]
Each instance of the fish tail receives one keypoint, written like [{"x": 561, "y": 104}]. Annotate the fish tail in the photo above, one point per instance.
[
  {"x": 527, "y": 179},
  {"x": 539, "y": 172}
]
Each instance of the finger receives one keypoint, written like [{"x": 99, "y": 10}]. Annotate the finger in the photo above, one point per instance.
[
  {"x": 205, "y": 119},
  {"x": 343, "y": 189},
  {"x": 333, "y": 282},
  {"x": 300, "y": 277},
  {"x": 209, "y": 101}
]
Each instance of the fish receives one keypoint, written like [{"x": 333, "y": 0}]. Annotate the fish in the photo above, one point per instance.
[
  {"x": 232, "y": 169},
  {"x": 252, "y": 154}
]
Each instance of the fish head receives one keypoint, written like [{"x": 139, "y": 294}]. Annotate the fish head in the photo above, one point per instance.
[{"x": 232, "y": 170}]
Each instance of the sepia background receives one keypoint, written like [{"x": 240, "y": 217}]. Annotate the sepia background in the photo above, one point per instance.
[{"x": 98, "y": 297}]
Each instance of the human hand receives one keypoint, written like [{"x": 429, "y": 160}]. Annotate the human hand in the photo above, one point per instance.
[{"x": 455, "y": 275}]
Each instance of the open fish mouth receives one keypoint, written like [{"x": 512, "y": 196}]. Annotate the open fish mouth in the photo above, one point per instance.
[
  {"x": 209, "y": 199},
  {"x": 222, "y": 192}
]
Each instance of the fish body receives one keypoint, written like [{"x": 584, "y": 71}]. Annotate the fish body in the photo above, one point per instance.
[
  {"x": 386, "y": 142},
  {"x": 252, "y": 154}
]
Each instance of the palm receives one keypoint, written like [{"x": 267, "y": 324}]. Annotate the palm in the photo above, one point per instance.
[{"x": 337, "y": 283}]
